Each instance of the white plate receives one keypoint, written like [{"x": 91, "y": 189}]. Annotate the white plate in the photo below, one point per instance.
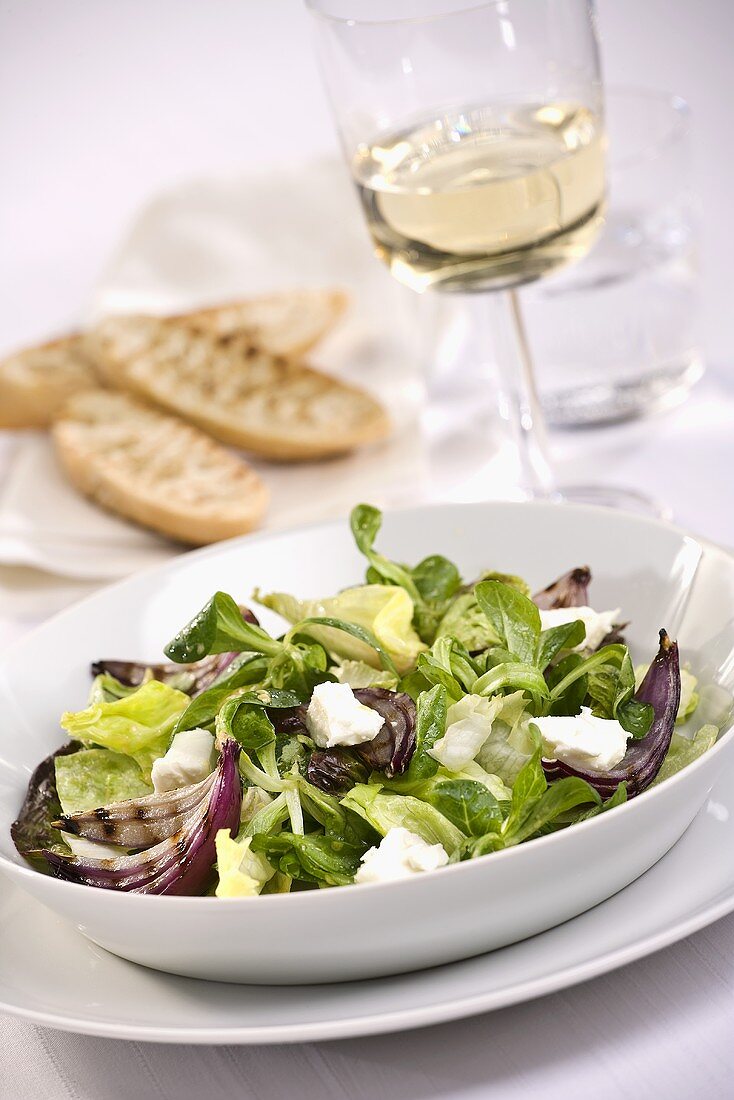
[
  {"x": 52, "y": 976},
  {"x": 658, "y": 575}
]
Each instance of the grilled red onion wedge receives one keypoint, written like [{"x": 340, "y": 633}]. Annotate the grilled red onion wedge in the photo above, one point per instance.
[
  {"x": 182, "y": 863},
  {"x": 138, "y": 822},
  {"x": 570, "y": 590},
  {"x": 390, "y": 752},
  {"x": 644, "y": 758}
]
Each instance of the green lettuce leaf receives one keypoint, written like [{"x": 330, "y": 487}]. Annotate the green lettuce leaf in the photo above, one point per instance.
[
  {"x": 384, "y": 811},
  {"x": 386, "y": 611},
  {"x": 684, "y": 750},
  {"x": 465, "y": 621},
  {"x": 358, "y": 674},
  {"x": 97, "y": 777},
  {"x": 140, "y": 725},
  {"x": 242, "y": 873}
]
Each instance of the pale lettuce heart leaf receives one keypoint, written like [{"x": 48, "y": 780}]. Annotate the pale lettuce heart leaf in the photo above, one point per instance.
[
  {"x": 385, "y": 811},
  {"x": 487, "y": 733},
  {"x": 242, "y": 872},
  {"x": 511, "y": 741},
  {"x": 358, "y": 674},
  {"x": 383, "y": 609},
  {"x": 97, "y": 777},
  {"x": 684, "y": 750},
  {"x": 469, "y": 723},
  {"x": 493, "y": 783},
  {"x": 139, "y": 725}
]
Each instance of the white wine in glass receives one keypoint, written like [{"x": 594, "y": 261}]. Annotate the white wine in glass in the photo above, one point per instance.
[
  {"x": 485, "y": 197},
  {"x": 474, "y": 131}
]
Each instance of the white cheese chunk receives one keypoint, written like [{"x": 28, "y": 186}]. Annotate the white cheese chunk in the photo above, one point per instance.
[
  {"x": 189, "y": 760},
  {"x": 583, "y": 741},
  {"x": 400, "y": 854},
  {"x": 336, "y": 717},
  {"x": 598, "y": 623}
]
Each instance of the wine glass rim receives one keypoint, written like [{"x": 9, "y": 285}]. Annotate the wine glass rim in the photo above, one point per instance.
[{"x": 349, "y": 21}]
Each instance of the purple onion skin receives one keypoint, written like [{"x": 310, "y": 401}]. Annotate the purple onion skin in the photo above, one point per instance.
[
  {"x": 288, "y": 720},
  {"x": 390, "y": 752},
  {"x": 180, "y": 865},
  {"x": 202, "y": 673},
  {"x": 644, "y": 758},
  {"x": 570, "y": 590},
  {"x": 335, "y": 771}
]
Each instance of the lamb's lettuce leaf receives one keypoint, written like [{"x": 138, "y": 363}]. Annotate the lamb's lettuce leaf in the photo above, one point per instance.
[
  {"x": 431, "y": 584},
  {"x": 247, "y": 670},
  {"x": 314, "y": 859},
  {"x": 513, "y": 617},
  {"x": 557, "y": 638},
  {"x": 430, "y": 725},
  {"x": 537, "y": 813},
  {"x": 140, "y": 725},
  {"x": 467, "y": 805},
  {"x": 219, "y": 628}
]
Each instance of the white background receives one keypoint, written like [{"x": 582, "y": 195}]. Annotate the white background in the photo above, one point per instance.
[{"x": 103, "y": 102}]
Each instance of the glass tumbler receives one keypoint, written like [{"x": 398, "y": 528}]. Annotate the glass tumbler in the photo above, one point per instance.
[{"x": 617, "y": 335}]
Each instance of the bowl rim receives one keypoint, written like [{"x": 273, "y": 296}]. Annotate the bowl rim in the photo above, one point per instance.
[{"x": 27, "y": 873}]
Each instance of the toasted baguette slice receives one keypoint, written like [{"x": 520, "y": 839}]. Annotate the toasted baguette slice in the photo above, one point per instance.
[
  {"x": 240, "y": 394},
  {"x": 156, "y": 470},
  {"x": 35, "y": 382},
  {"x": 288, "y": 323}
]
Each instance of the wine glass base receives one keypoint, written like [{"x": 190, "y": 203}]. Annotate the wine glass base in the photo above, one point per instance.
[{"x": 613, "y": 496}]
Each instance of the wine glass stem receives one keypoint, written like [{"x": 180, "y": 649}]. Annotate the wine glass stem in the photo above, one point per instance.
[{"x": 518, "y": 394}]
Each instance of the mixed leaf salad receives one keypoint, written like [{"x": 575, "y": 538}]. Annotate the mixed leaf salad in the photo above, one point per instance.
[{"x": 397, "y": 726}]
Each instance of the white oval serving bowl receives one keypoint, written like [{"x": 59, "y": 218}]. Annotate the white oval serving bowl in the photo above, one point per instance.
[{"x": 658, "y": 575}]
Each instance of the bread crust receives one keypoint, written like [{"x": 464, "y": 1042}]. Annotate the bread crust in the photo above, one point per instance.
[
  {"x": 35, "y": 382},
  {"x": 286, "y": 323},
  {"x": 156, "y": 470},
  {"x": 273, "y": 406}
]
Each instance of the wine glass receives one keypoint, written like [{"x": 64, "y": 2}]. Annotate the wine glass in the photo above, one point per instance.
[{"x": 475, "y": 138}]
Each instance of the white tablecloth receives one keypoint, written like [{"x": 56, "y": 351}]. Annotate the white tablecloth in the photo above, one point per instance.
[
  {"x": 104, "y": 104},
  {"x": 662, "y": 1027}
]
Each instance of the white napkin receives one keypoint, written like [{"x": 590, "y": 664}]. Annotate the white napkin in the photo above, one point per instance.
[{"x": 212, "y": 240}]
